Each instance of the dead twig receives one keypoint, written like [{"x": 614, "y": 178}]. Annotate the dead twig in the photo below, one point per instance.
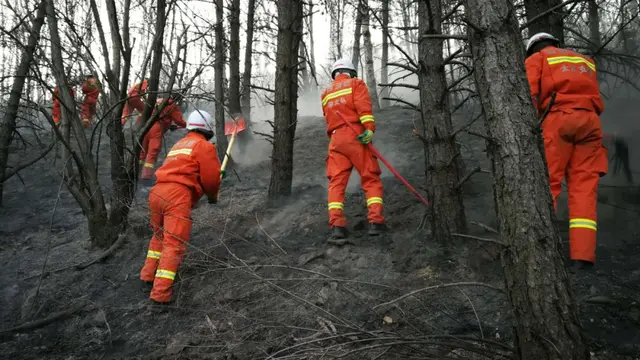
[
  {"x": 479, "y": 238},
  {"x": 467, "y": 177},
  {"x": 268, "y": 236},
  {"x": 441, "y": 286},
  {"x": 484, "y": 226}
]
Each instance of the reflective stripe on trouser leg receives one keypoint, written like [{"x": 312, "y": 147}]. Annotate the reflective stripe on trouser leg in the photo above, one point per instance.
[
  {"x": 582, "y": 239},
  {"x": 177, "y": 228},
  {"x": 374, "y": 208},
  {"x": 583, "y": 175},
  {"x": 367, "y": 166},
  {"x": 336, "y": 214},
  {"x": 156, "y": 207},
  {"x": 338, "y": 172}
]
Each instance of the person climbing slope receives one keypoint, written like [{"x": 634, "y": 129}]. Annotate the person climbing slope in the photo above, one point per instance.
[
  {"x": 91, "y": 91},
  {"x": 564, "y": 85},
  {"x": 190, "y": 170},
  {"x": 152, "y": 142},
  {"x": 348, "y": 99},
  {"x": 135, "y": 100}
]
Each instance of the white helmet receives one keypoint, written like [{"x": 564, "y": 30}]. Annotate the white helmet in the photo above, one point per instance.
[
  {"x": 540, "y": 37},
  {"x": 201, "y": 120},
  {"x": 342, "y": 64}
]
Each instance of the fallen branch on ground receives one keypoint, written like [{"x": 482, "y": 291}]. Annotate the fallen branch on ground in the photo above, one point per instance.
[
  {"x": 104, "y": 255},
  {"x": 32, "y": 325},
  {"x": 479, "y": 238}
]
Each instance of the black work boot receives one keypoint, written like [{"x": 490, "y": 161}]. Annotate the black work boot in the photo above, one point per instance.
[
  {"x": 581, "y": 265},
  {"x": 376, "y": 229},
  {"x": 338, "y": 232}
]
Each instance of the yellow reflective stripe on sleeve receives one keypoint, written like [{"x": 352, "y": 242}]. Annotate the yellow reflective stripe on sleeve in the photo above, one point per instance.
[
  {"x": 179, "y": 152},
  {"x": 166, "y": 274},
  {"x": 572, "y": 60},
  {"x": 366, "y": 118},
  {"x": 374, "y": 200},
  {"x": 148, "y": 165},
  {"x": 583, "y": 223},
  {"x": 336, "y": 94},
  {"x": 153, "y": 254},
  {"x": 336, "y": 206}
]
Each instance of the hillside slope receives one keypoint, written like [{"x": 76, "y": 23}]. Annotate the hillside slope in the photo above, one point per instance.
[{"x": 259, "y": 278}]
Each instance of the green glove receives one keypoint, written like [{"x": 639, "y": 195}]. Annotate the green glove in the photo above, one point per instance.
[{"x": 365, "y": 137}]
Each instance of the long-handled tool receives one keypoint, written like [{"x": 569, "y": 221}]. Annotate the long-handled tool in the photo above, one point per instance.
[
  {"x": 386, "y": 163},
  {"x": 231, "y": 128}
]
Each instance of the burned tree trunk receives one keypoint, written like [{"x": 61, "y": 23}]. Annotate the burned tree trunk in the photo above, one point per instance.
[
  {"x": 552, "y": 23},
  {"x": 82, "y": 183},
  {"x": 546, "y": 322},
  {"x": 384, "y": 67},
  {"x": 355, "y": 56},
  {"x": 311, "y": 51},
  {"x": 8, "y": 125},
  {"x": 248, "y": 57},
  {"x": 441, "y": 153},
  {"x": 221, "y": 138},
  {"x": 234, "y": 57},
  {"x": 368, "y": 57},
  {"x": 335, "y": 8},
  {"x": 594, "y": 26},
  {"x": 286, "y": 96}
]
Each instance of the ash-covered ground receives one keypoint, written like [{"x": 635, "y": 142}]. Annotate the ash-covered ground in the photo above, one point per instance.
[{"x": 260, "y": 279}]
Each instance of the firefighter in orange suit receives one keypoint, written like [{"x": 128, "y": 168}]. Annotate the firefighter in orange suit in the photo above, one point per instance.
[
  {"x": 350, "y": 97},
  {"x": 572, "y": 134},
  {"x": 152, "y": 142},
  {"x": 56, "y": 112},
  {"x": 91, "y": 91},
  {"x": 135, "y": 100},
  {"x": 190, "y": 170}
]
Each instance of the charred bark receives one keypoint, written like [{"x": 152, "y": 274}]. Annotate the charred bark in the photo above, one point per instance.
[
  {"x": 553, "y": 23},
  {"x": 546, "y": 322},
  {"x": 384, "y": 67},
  {"x": 123, "y": 174},
  {"x": 221, "y": 138},
  {"x": 234, "y": 57},
  {"x": 368, "y": 56},
  {"x": 8, "y": 125},
  {"x": 285, "y": 97},
  {"x": 355, "y": 56},
  {"x": 594, "y": 25},
  {"x": 441, "y": 153},
  {"x": 248, "y": 57},
  {"x": 83, "y": 184}
]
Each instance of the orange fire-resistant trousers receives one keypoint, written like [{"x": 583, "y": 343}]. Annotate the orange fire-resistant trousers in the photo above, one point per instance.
[
  {"x": 170, "y": 210},
  {"x": 151, "y": 146},
  {"x": 345, "y": 153},
  {"x": 573, "y": 148},
  {"x": 89, "y": 109}
]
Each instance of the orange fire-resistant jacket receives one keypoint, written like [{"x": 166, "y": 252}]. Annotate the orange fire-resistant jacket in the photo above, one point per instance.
[
  {"x": 192, "y": 162},
  {"x": 573, "y": 80},
  {"x": 170, "y": 113},
  {"x": 91, "y": 90},
  {"x": 350, "y": 97},
  {"x": 57, "y": 105}
]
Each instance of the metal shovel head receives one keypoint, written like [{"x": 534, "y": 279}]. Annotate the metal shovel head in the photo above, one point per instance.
[{"x": 236, "y": 126}]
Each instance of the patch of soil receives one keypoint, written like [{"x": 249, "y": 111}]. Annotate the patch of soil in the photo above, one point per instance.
[{"x": 260, "y": 279}]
